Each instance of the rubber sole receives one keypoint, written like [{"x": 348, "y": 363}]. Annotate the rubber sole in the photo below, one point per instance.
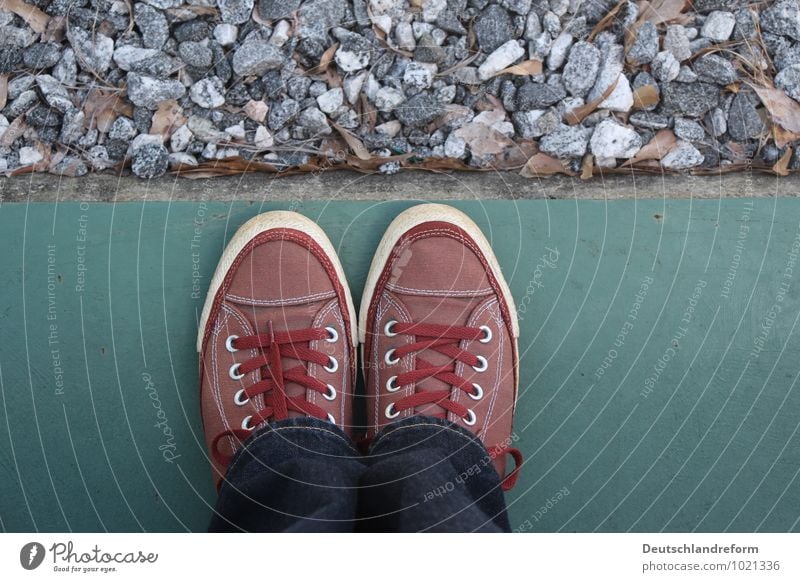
[
  {"x": 264, "y": 222},
  {"x": 411, "y": 218}
]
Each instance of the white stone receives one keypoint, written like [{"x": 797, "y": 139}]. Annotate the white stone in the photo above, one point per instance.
[
  {"x": 263, "y": 138},
  {"x": 682, "y": 157},
  {"x": 210, "y": 151},
  {"x": 404, "y": 37},
  {"x": 144, "y": 139},
  {"x": 431, "y": 9},
  {"x": 127, "y": 56},
  {"x": 281, "y": 33},
  {"x": 558, "y": 51},
  {"x": 182, "y": 159},
  {"x": 352, "y": 86},
  {"x": 718, "y": 26},
  {"x": 331, "y": 100},
  {"x": 384, "y": 22},
  {"x": 208, "y": 93},
  {"x": 419, "y": 75},
  {"x": 236, "y": 131},
  {"x": 665, "y": 67},
  {"x": 455, "y": 146},
  {"x": 387, "y": 99},
  {"x": 180, "y": 138},
  {"x": 29, "y": 156},
  {"x": 612, "y": 140},
  {"x": 621, "y": 99},
  {"x": 502, "y": 57},
  {"x": 3, "y": 125},
  {"x": 390, "y": 128},
  {"x": 225, "y": 34},
  {"x": 611, "y": 69},
  {"x": 371, "y": 87}
]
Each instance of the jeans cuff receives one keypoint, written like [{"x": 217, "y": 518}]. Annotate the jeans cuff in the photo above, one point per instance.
[{"x": 425, "y": 430}]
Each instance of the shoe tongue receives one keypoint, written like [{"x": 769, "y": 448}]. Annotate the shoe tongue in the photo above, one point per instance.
[{"x": 437, "y": 311}]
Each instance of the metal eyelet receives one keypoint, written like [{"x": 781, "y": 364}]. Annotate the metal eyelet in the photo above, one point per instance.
[
  {"x": 487, "y": 334},
  {"x": 387, "y": 329},
  {"x": 241, "y": 398},
  {"x": 482, "y": 366},
  {"x": 389, "y": 359},
  {"x": 471, "y": 418},
  {"x": 391, "y": 386},
  {"x": 233, "y": 372},
  {"x": 333, "y": 335},
  {"x": 246, "y": 423},
  {"x": 229, "y": 343},
  {"x": 389, "y": 413},
  {"x": 331, "y": 419},
  {"x": 477, "y": 394},
  {"x": 333, "y": 365},
  {"x": 330, "y": 394}
]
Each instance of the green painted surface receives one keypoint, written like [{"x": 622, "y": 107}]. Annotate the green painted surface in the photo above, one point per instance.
[{"x": 659, "y": 359}]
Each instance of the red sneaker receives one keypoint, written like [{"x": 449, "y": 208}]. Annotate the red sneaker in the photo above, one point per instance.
[
  {"x": 439, "y": 330},
  {"x": 277, "y": 334}
]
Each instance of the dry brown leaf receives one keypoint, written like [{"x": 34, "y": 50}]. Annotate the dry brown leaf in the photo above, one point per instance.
[
  {"x": 35, "y": 18},
  {"x": 324, "y": 61},
  {"x": 167, "y": 118},
  {"x": 3, "y": 90},
  {"x": 587, "y": 167},
  {"x": 187, "y": 11},
  {"x": 482, "y": 139},
  {"x": 645, "y": 96},
  {"x": 575, "y": 116},
  {"x": 781, "y": 167},
  {"x": 358, "y": 147},
  {"x": 782, "y": 136},
  {"x": 15, "y": 129},
  {"x": 606, "y": 20},
  {"x": 659, "y": 11},
  {"x": 662, "y": 143},
  {"x": 103, "y": 107},
  {"x": 784, "y": 110},
  {"x": 543, "y": 165},
  {"x": 55, "y": 29},
  {"x": 531, "y": 67}
]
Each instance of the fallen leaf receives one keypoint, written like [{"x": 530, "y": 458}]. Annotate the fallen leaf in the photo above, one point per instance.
[
  {"x": 645, "y": 96},
  {"x": 3, "y": 90},
  {"x": 358, "y": 147},
  {"x": 103, "y": 107},
  {"x": 543, "y": 165},
  {"x": 55, "y": 29},
  {"x": 782, "y": 136},
  {"x": 784, "y": 110},
  {"x": 482, "y": 139},
  {"x": 587, "y": 166},
  {"x": 15, "y": 129},
  {"x": 324, "y": 61},
  {"x": 531, "y": 67},
  {"x": 662, "y": 143},
  {"x": 35, "y": 18},
  {"x": 575, "y": 116},
  {"x": 659, "y": 11},
  {"x": 606, "y": 20},
  {"x": 781, "y": 167},
  {"x": 167, "y": 118}
]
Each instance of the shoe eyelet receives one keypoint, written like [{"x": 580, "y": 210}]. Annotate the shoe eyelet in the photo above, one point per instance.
[
  {"x": 391, "y": 412},
  {"x": 483, "y": 364},
  {"x": 246, "y": 423},
  {"x": 471, "y": 418},
  {"x": 389, "y": 359},
  {"x": 331, "y": 419},
  {"x": 487, "y": 334},
  {"x": 240, "y": 399},
  {"x": 391, "y": 386},
  {"x": 233, "y": 372},
  {"x": 330, "y": 394},
  {"x": 478, "y": 392},
  {"x": 333, "y": 335},
  {"x": 229, "y": 343},
  {"x": 387, "y": 329},
  {"x": 333, "y": 365}
]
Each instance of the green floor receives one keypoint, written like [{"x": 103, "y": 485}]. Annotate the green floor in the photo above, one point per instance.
[{"x": 659, "y": 359}]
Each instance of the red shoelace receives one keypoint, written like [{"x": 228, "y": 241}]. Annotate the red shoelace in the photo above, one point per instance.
[
  {"x": 273, "y": 346},
  {"x": 444, "y": 340}
]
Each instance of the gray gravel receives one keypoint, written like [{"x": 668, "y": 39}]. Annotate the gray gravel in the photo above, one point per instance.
[{"x": 241, "y": 79}]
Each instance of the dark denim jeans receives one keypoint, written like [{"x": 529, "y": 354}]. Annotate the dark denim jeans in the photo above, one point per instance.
[{"x": 421, "y": 474}]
